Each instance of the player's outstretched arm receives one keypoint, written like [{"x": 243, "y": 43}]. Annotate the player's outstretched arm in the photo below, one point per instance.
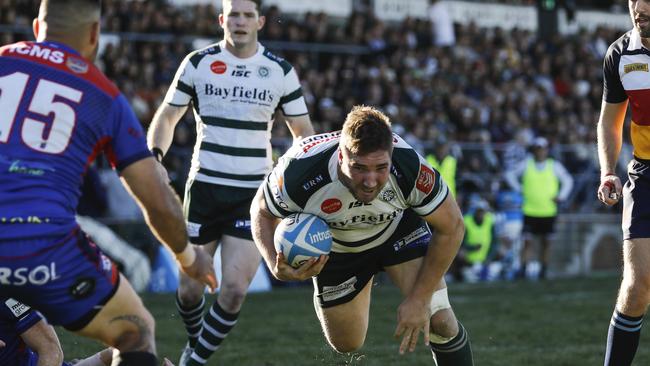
[
  {"x": 610, "y": 136},
  {"x": 162, "y": 211},
  {"x": 42, "y": 339},
  {"x": 413, "y": 313},
  {"x": 263, "y": 225},
  {"x": 300, "y": 126},
  {"x": 161, "y": 129}
]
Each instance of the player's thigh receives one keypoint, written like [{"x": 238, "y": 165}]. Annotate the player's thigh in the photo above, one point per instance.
[
  {"x": 123, "y": 322},
  {"x": 636, "y": 259},
  {"x": 345, "y": 325},
  {"x": 240, "y": 260},
  {"x": 404, "y": 274},
  {"x": 342, "y": 297}
]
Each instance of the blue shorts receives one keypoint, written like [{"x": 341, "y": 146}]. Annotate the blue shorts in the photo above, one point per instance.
[
  {"x": 68, "y": 281},
  {"x": 636, "y": 200}
]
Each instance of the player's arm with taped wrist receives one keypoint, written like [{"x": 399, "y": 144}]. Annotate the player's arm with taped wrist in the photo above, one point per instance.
[
  {"x": 448, "y": 231},
  {"x": 610, "y": 139},
  {"x": 187, "y": 257}
]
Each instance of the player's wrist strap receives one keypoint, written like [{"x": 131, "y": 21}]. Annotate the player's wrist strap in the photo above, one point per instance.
[
  {"x": 157, "y": 153},
  {"x": 187, "y": 257}
]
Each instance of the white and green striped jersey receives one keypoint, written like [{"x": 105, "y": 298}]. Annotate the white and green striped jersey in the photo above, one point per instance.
[
  {"x": 234, "y": 101},
  {"x": 306, "y": 180}
]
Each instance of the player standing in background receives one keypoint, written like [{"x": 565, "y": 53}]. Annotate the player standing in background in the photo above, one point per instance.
[
  {"x": 377, "y": 195},
  {"x": 235, "y": 86},
  {"x": 626, "y": 78},
  {"x": 58, "y": 113}
]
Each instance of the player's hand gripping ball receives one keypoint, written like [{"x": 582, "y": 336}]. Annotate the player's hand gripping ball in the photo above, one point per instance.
[{"x": 301, "y": 236}]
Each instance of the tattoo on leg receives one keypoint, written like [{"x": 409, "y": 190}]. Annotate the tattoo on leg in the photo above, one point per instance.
[{"x": 138, "y": 340}]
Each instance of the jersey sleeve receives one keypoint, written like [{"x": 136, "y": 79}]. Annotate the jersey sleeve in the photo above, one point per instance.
[
  {"x": 276, "y": 196},
  {"x": 430, "y": 189},
  {"x": 613, "y": 91},
  {"x": 22, "y": 315},
  {"x": 181, "y": 90},
  {"x": 127, "y": 143},
  {"x": 292, "y": 102}
]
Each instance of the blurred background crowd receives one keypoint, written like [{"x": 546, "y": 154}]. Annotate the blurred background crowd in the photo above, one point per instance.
[{"x": 483, "y": 93}]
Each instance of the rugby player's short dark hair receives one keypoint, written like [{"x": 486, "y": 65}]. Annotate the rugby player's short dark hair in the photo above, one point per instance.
[
  {"x": 366, "y": 130},
  {"x": 258, "y": 3},
  {"x": 66, "y": 16}
]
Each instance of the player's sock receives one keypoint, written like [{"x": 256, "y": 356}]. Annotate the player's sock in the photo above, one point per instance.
[
  {"x": 137, "y": 359},
  {"x": 622, "y": 339},
  {"x": 216, "y": 325},
  {"x": 456, "y": 352},
  {"x": 192, "y": 318}
]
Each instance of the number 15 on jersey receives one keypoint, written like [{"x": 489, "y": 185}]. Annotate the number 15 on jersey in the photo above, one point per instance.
[{"x": 50, "y": 101}]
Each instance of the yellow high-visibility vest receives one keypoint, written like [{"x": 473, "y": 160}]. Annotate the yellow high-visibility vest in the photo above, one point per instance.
[
  {"x": 539, "y": 189},
  {"x": 478, "y": 235},
  {"x": 447, "y": 169}
]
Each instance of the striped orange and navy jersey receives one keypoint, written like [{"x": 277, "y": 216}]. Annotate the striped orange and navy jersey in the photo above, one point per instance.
[{"x": 627, "y": 76}]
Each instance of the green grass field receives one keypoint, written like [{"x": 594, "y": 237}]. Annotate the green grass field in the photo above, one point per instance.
[{"x": 557, "y": 322}]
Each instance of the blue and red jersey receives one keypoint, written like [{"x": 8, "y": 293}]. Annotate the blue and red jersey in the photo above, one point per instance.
[{"x": 57, "y": 113}]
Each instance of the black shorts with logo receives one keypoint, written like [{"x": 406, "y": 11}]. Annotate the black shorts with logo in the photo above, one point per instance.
[
  {"x": 346, "y": 274},
  {"x": 636, "y": 200},
  {"x": 213, "y": 210}
]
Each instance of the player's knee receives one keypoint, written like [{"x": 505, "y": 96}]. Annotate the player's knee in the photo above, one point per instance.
[
  {"x": 189, "y": 294},
  {"x": 347, "y": 345},
  {"x": 443, "y": 324},
  {"x": 637, "y": 289},
  {"x": 135, "y": 332},
  {"x": 232, "y": 296}
]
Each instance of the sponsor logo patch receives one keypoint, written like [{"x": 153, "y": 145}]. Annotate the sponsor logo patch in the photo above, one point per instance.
[
  {"x": 82, "y": 288},
  {"x": 193, "y": 229},
  {"x": 336, "y": 292},
  {"x": 331, "y": 205},
  {"x": 420, "y": 236},
  {"x": 312, "y": 182},
  {"x": 243, "y": 224},
  {"x": 426, "y": 179},
  {"x": 387, "y": 195},
  {"x": 263, "y": 72},
  {"x": 77, "y": 65},
  {"x": 218, "y": 67},
  {"x": 17, "y": 308},
  {"x": 635, "y": 67}
]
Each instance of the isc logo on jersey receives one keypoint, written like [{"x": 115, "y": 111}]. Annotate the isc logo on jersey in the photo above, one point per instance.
[{"x": 302, "y": 236}]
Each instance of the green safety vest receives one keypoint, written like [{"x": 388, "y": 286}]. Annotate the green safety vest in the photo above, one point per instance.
[
  {"x": 447, "y": 170},
  {"x": 539, "y": 189},
  {"x": 478, "y": 235}
]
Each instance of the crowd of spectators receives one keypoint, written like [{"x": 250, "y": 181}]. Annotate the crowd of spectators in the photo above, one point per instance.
[{"x": 492, "y": 91}]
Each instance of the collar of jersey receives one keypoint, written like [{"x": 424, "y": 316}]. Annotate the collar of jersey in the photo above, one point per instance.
[
  {"x": 222, "y": 45},
  {"x": 60, "y": 45},
  {"x": 635, "y": 41},
  {"x": 333, "y": 166}
]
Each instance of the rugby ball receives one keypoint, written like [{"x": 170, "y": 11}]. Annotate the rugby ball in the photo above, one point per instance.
[{"x": 301, "y": 236}]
